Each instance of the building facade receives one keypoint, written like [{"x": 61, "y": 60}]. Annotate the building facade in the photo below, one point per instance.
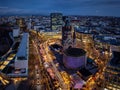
[
  {"x": 74, "y": 58},
  {"x": 21, "y": 60},
  {"x": 56, "y": 21},
  {"x": 112, "y": 71}
]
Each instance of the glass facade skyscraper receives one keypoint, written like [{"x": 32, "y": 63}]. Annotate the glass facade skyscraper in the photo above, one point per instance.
[{"x": 56, "y": 21}]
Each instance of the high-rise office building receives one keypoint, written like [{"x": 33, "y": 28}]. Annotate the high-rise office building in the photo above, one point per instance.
[
  {"x": 112, "y": 71},
  {"x": 56, "y": 21}
]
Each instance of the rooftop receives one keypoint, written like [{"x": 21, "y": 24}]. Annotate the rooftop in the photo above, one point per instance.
[
  {"x": 112, "y": 40},
  {"x": 75, "y": 52},
  {"x": 22, "y": 51}
]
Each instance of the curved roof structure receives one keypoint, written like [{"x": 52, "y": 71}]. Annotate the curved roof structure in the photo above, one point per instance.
[{"x": 75, "y": 52}]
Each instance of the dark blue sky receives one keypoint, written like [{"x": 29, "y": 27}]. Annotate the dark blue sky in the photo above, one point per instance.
[{"x": 67, "y": 7}]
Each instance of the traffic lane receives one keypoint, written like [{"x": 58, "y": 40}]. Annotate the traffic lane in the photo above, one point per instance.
[{"x": 37, "y": 75}]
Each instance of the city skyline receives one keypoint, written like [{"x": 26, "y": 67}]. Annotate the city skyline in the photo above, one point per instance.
[
  {"x": 59, "y": 52},
  {"x": 68, "y": 7}
]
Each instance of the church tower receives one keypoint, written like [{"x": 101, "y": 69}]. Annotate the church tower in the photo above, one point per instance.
[{"x": 67, "y": 40}]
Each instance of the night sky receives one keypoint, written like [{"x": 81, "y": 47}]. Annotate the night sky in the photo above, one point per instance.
[{"x": 67, "y": 7}]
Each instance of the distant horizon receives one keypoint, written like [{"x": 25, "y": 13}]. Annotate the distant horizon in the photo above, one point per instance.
[{"x": 39, "y": 14}]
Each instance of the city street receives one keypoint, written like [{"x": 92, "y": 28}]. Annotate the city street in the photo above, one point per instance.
[{"x": 42, "y": 79}]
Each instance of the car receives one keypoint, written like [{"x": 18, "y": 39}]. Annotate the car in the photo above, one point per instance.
[
  {"x": 37, "y": 75},
  {"x": 38, "y": 82},
  {"x": 36, "y": 66}
]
